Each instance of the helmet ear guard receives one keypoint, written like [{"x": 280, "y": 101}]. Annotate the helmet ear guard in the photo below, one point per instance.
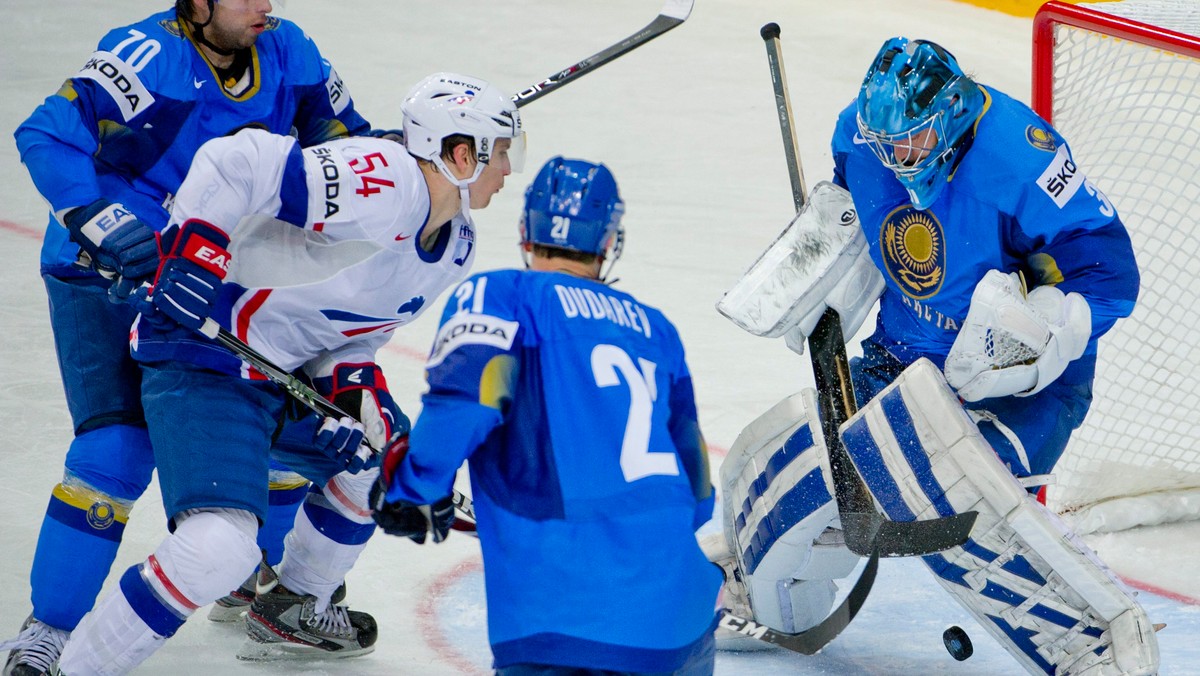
[
  {"x": 574, "y": 205},
  {"x": 915, "y": 91},
  {"x": 448, "y": 104}
]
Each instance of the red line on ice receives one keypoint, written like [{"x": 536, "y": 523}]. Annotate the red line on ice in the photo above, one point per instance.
[
  {"x": 431, "y": 626},
  {"x": 24, "y": 230},
  {"x": 1161, "y": 591}
]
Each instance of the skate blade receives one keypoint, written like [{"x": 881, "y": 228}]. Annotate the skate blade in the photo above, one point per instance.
[
  {"x": 253, "y": 651},
  {"x": 731, "y": 641}
]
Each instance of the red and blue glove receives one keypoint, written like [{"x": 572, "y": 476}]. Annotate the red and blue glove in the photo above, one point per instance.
[
  {"x": 402, "y": 518},
  {"x": 361, "y": 391},
  {"x": 195, "y": 260}
]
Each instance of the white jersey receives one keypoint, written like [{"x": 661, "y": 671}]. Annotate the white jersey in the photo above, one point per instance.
[{"x": 326, "y": 260}]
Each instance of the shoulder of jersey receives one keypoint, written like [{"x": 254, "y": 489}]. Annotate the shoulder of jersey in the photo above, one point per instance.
[{"x": 1018, "y": 144}]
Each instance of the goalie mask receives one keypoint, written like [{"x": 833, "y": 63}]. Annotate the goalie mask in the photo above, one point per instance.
[
  {"x": 916, "y": 110},
  {"x": 574, "y": 205},
  {"x": 448, "y": 104}
]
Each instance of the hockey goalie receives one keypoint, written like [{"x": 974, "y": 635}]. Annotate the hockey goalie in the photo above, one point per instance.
[{"x": 930, "y": 440}]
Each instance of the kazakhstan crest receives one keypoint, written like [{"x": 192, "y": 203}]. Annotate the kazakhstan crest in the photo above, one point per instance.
[
  {"x": 913, "y": 244},
  {"x": 1040, "y": 138}
]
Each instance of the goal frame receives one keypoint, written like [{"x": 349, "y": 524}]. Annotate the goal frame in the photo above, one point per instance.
[
  {"x": 1109, "y": 512},
  {"x": 1055, "y": 12}
]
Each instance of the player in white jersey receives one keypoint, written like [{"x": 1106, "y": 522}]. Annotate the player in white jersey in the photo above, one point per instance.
[{"x": 313, "y": 257}]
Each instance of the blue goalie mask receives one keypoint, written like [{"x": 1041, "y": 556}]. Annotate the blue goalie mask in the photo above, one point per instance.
[
  {"x": 916, "y": 110},
  {"x": 575, "y": 205}
]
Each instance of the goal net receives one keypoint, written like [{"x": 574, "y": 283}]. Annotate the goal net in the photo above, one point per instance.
[{"x": 1121, "y": 81}]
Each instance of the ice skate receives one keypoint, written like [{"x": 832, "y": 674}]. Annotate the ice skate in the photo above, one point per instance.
[
  {"x": 233, "y": 606},
  {"x": 283, "y": 625},
  {"x": 35, "y": 650}
]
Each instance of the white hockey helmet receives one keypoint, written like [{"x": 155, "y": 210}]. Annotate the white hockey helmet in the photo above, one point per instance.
[{"x": 445, "y": 104}]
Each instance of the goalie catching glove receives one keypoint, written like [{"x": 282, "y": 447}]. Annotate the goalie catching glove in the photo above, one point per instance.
[
  {"x": 403, "y": 518},
  {"x": 361, "y": 391},
  {"x": 1013, "y": 343}
]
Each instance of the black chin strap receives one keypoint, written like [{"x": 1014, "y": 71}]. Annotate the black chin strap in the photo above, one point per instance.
[{"x": 198, "y": 31}]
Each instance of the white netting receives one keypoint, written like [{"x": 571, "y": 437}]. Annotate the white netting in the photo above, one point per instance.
[{"x": 1131, "y": 113}]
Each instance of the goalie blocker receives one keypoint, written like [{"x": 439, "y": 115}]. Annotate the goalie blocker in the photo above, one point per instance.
[{"x": 1028, "y": 580}]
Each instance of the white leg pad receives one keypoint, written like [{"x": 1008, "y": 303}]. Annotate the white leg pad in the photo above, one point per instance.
[
  {"x": 110, "y": 640},
  {"x": 210, "y": 552},
  {"x": 1038, "y": 590},
  {"x": 777, "y": 505}
]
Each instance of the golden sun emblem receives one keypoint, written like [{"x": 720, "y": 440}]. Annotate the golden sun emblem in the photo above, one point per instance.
[{"x": 914, "y": 251}]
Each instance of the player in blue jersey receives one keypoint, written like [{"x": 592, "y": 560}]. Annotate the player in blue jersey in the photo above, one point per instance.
[
  {"x": 108, "y": 152},
  {"x": 998, "y": 266},
  {"x": 573, "y": 405},
  {"x": 952, "y": 180}
]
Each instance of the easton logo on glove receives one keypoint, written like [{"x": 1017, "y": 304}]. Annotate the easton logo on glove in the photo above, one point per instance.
[{"x": 209, "y": 255}]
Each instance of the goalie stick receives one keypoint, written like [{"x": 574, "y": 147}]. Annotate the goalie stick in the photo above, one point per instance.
[
  {"x": 866, "y": 531},
  {"x": 301, "y": 392},
  {"x": 811, "y": 640},
  {"x": 673, "y": 13}
]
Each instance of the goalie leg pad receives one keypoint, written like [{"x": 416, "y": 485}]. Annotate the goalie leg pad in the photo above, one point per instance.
[
  {"x": 778, "y": 508},
  {"x": 1034, "y": 586}
]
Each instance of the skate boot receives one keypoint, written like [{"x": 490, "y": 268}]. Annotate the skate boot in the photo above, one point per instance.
[
  {"x": 284, "y": 625},
  {"x": 233, "y": 606},
  {"x": 35, "y": 650}
]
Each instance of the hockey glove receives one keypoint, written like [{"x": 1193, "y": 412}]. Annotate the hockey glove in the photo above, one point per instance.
[
  {"x": 195, "y": 260},
  {"x": 415, "y": 521},
  {"x": 1013, "y": 343},
  {"x": 361, "y": 391},
  {"x": 406, "y": 519},
  {"x": 121, "y": 247}
]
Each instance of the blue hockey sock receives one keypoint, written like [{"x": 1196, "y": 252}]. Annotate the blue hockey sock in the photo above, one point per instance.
[
  {"x": 281, "y": 514},
  {"x": 76, "y": 546}
]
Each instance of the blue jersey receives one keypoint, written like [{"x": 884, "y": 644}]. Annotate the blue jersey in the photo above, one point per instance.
[
  {"x": 574, "y": 405},
  {"x": 1015, "y": 202},
  {"x": 125, "y": 127}
]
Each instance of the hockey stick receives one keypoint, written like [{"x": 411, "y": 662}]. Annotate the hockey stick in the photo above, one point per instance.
[
  {"x": 811, "y": 640},
  {"x": 301, "y": 392},
  {"x": 673, "y": 13},
  {"x": 866, "y": 531}
]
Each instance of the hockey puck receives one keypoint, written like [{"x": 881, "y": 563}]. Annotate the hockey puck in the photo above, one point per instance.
[{"x": 958, "y": 644}]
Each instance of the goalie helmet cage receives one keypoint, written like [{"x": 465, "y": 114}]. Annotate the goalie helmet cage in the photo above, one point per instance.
[{"x": 1121, "y": 81}]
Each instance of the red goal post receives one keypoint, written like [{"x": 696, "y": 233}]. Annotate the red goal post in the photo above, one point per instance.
[{"x": 1121, "y": 81}]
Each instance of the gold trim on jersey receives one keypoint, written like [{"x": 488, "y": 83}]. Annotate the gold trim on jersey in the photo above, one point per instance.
[
  {"x": 498, "y": 381},
  {"x": 253, "y": 71}
]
